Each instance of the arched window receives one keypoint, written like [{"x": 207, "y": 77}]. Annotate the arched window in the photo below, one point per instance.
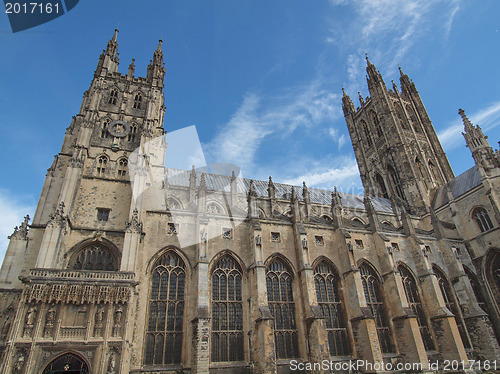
[
  {"x": 371, "y": 287},
  {"x": 376, "y": 123},
  {"x": 166, "y": 310},
  {"x": 395, "y": 181},
  {"x": 476, "y": 288},
  {"x": 434, "y": 172},
  {"x": 482, "y": 219},
  {"x": 67, "y": 363},
  {"x": 328, "y": 295},
  {"x": 95, "y": 256},
  {"x": 421, "y": 171},
  {"x": 113, "y": 95},
  {"x": 137, "y": 101},
  {"x": 104, "y": 129},
  {"x": 493, "y": 275},
  {"x": 102, "y": 161},
  {"x": 367, "y": 133},
  {"x": 399, "y": 113},
  {"x": 227, "y": 311},
  {"x": 381, "y": 185},
  {"x": 213, "y": 208},
  {"x": 413, "y": 119},
  {"x": 280, "y": 299},
  {"x": 451, "y": 304},
  {"x": 122, "y": 167},
  {"x": 415, "y": 304},
  {"x": 132, "y": 133}
]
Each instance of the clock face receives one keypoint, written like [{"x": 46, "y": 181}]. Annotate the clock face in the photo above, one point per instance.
[{"x": 118, "y": 129}]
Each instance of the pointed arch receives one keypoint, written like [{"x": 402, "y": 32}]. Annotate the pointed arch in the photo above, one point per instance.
[
  {"x": 104, "y": 128},
  {"x": 483, "y": 220},
  {"x": 374, "y": 300},
  {"x": 138, "y": 102},
  {"x": 381, "y": 185},
  {"x": 122, "y": 167},
  {"x": 113, "y": 96},
  {"x": 492, "y": 275},
  {"x": 102, "y": 162},
  {"x": 133, "y": 132},
  {"x": 69, "y": 361},
  {"x": 476, "y": 288},
  {"x": 165, "y": 317},
  {"x": 396, "y": 182},
  {"x": 376, "y": 123},
  {"x": 451, "y": 302},
  {"x": 227, "y": 337},
  {"x": 279, "y": 277},
  {"x": 94, "y": 255},
  {"x": 366, "y": 133},
  {"x": 415, "y": 303},
  {"x": 328, "y": 293}
]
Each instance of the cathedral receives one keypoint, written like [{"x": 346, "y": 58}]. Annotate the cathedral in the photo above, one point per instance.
[{"x": 131, "y": 267}]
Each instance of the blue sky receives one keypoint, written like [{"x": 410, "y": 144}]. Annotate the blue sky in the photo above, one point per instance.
[{"x": 261, "y": 81}]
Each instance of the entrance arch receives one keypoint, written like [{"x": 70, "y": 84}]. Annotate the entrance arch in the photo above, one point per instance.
[{"x": 67, "y": 363}]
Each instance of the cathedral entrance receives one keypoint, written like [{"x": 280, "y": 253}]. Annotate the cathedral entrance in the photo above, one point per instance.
[{"x": 68, "y": 363}]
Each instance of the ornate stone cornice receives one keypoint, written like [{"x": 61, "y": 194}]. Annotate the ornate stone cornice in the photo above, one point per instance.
[{"x": 58, "y": 219}]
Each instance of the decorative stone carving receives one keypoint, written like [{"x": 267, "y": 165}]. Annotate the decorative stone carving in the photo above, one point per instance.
[
  {"x": 118, "y": 321},
  {"x": 50, "y": 318},
  {"x": 58, "y": 218},
  {"x": 134, "y": 225},
  {"x": 99, "y": 320},
  {"x": 75, "y": 293},
  {"x": 21, "y": 232},
  {"x": 112, "y": 362},
  {"x": 19, "y": 364},
  {"x": 304, "y": 243}
]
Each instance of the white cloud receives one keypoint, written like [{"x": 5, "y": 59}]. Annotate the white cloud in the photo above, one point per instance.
[
  {"x": 388, "y": 29},
  {"x": 13, "y": 211},
  {"x": 345, "y": 176},
  {"x": 487, "y": 118},
  {"x": 261, "y": 116}
]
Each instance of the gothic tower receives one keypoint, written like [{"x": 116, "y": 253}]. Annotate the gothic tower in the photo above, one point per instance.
[
  {"x": 397, "y": 149},
  {"x": 88, "y": 220}
]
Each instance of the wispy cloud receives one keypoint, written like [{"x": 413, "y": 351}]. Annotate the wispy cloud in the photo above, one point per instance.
[
  {"x": 345, "y": 175},
  {"x": 487, "y": 118},
  {"x": 260, "y": 116},
  {"x": 13, "y": 211},
  {"x": 387, "y": 29}
]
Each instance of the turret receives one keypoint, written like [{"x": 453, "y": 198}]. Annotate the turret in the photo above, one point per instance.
[
  {"x": 156, "y": 67},
  {"x": 477, "y": 142},
  {"x": 108, "y": 60},
  {"x": 347, "y": 104}
]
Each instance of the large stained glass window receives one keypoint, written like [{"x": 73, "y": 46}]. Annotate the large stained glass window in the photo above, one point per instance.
[
  {"x": 328, "y": 295},
  {"x": 280, "y": 299},
  {"x": 227, "y": 311},
  {"x": 166, "y": 309}
]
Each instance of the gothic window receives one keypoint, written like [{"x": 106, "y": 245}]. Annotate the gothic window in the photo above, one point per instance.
[
  {"x": 122, "y": 167},
  {"x": 102, "y": 161},
  {"x": 413, "y": 119},
  {"x": 376, "y": 123},
  {"x": 280, "y": 299},
  {"x": 227, "y": 311},
  {"x": 451, "y": 304},
  {"x": 476, "y": 288},
  {"x": 67, "y": 363},
  {"x": 381, "y": 184},
  {"x": 399, "y": 113},
  {"x": 113, "y": 95},
  {"x": 132, "y": 133},
  {"x": 411, "y": 292},
  {"x": 482, "y": 219},
  {"x": 166, "y": 310},
  {"x": 367, "y": 133},
  {"x": 421, "y": 171},
  {"x": 138, "y": 101},
  {"x": 95, "y": 256},
  {"x": 327, "y": 292},
  {"x": 104, "y": 129},
  {"x": 173, "y": 204},
  {"x": 373, "y": 296},
  {"x": 493, "y": 275},
  {"x": 395, "y": 181},
  {"x": 214, "y": 209},
  {"x": 434, "y": 173}
]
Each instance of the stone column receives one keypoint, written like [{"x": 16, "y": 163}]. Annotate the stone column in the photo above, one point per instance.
[{"x": 14, "y": 257}]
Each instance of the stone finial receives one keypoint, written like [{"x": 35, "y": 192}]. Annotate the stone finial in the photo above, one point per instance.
[
  {"x": 134, "y": 226},
  {"x": 251, "y": 190},
  {"x": 21, "y": 232},
  {"x": 361, "y": 100},
  {"x": 131, "y": 68},
  {"x": 203, "y": 185},
  {"x": 58, "y": 218}
]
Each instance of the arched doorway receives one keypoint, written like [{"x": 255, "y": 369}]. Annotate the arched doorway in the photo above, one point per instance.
[{"x": 68, "y": 363}]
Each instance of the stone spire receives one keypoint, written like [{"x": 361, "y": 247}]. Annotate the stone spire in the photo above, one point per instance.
[
  {"x": 156, "y": 67},
  {"x": 347, "y": 104}
]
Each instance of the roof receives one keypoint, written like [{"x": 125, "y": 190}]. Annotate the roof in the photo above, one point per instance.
[
  {"x": 215, "y": 182},
  {"x": 458, "y": 186}
]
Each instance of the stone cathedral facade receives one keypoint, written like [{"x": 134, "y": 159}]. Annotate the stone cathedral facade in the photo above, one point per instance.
[{"x": 129, "y": 267}]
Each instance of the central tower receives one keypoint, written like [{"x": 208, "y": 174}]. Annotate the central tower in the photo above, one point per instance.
[{"x": 398, "y": 152}]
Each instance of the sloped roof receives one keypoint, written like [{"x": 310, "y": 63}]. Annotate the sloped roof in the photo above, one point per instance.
[
  {"x": 463, "y": 183},
  {"x": 215, "y": 182}
]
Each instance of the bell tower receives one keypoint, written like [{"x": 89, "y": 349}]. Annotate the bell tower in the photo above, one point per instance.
[{"x": 396, "y": 147}]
